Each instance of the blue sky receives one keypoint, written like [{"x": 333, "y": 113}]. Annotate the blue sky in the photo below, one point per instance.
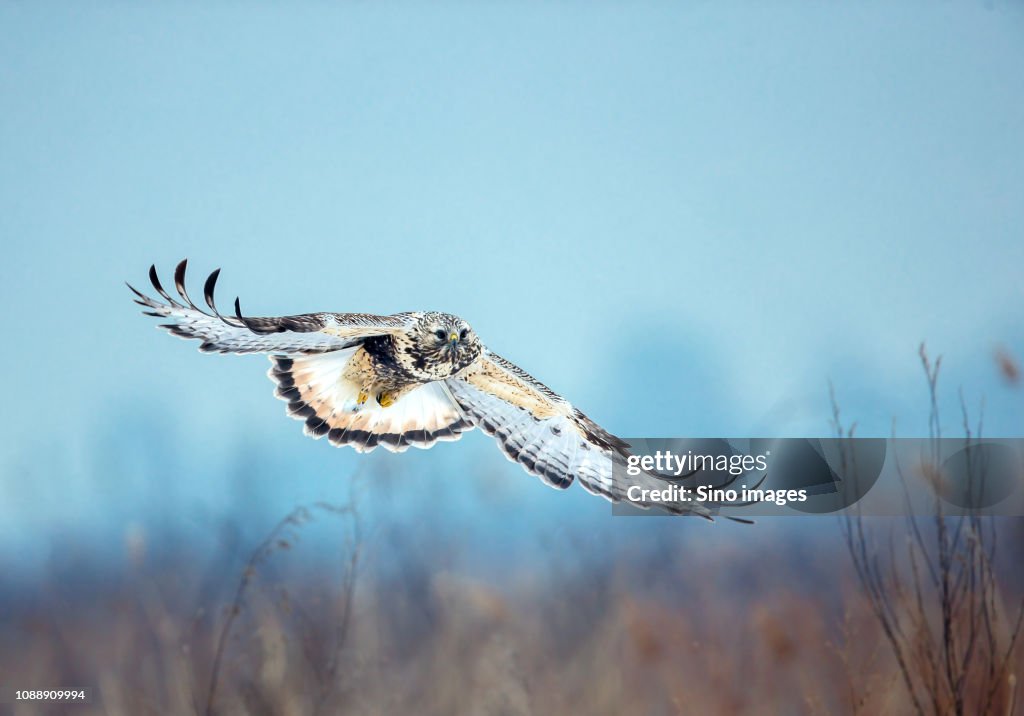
[{"x": 687, "y": 217}]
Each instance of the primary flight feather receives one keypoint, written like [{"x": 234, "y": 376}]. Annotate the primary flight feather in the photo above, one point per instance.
[{"x": 410, "y": 379}]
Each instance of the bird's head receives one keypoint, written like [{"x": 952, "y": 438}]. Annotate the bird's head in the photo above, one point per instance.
[{"x": 447, "y": 339}]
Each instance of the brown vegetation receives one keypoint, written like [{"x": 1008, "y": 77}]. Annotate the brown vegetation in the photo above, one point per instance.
[{"x": 933, "y": 591}]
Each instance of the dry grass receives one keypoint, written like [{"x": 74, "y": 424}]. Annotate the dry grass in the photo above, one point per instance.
[
  {"x": 933, "y": 590},
  {"x": 634, "y": 636}
]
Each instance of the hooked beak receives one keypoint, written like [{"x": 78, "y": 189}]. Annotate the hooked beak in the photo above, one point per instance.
[{"x": 453, "y": 339}]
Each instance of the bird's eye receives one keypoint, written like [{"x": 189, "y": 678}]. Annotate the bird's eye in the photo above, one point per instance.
[
  {"x": 440, "y": 334},
  {"x": 463, "y": 333}
]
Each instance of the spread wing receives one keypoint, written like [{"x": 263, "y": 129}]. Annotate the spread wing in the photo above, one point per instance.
[
  {"x": 544, "y": 433},
  {"x": 291, "y": 335}
]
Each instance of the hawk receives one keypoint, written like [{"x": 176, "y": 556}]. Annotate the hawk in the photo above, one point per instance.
[{"x": 409, "y": 379}]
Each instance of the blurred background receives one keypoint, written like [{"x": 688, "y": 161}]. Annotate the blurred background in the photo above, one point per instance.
[{"x": 688, "y": 219}]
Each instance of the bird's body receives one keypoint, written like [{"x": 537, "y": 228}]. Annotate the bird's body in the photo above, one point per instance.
[{"x": 409, "y": 379}]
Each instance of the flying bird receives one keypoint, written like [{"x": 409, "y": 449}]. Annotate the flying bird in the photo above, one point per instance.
[{"x": 409, "y": 379}]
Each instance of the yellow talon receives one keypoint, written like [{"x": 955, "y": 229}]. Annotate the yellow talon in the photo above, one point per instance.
[
  {"x": 362, "y": 397},
  {"x": 385, "y": 399}
]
